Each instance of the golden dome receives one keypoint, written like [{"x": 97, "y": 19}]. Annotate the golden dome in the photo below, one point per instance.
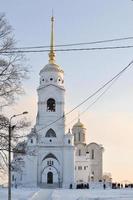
[{"x": 78, "y": 124}]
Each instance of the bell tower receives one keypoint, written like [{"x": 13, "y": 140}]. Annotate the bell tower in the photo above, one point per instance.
[
  {"x": 51, "y": 151},
  {"x": 51, "y": 95},
  {"x": 55, "y": 148}
]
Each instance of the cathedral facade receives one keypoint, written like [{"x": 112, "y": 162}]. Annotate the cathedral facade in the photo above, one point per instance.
[
  {"x": 50, "y": 157},
  {"x": 88, "y": 157}
]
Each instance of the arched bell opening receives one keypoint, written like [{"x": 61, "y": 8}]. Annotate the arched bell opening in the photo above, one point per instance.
[{"x": 51, "y": 105}]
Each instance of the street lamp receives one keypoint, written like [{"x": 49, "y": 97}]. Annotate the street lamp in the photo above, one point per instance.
[{"x": 9, "y": 152}]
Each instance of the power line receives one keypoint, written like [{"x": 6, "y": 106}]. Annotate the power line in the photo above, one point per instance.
[
  {"x": 73, "y": 49},
  {"x": 77, "y": 44},
  {"x": 112, "y": 80},
  {"x": 103, "y": 86},
  {"x": 95, "y": 101},
  {"x": 92, "y": 95}
]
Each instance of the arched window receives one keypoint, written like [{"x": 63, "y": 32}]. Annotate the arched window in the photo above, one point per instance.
[
  {"x": 50, "y": 133},
  {"x": 13, "y": 177},
  {"x": 74, "y": 136},
  {"x": 92, "y": 154},
  {"x": 79, "y": 136},
  {"x": 51, "y": 105},
  {"x": 69, "y": 141}
]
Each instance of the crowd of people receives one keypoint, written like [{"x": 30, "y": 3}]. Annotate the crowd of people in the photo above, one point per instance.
[
  {"x": 119, "y": 185},
  {"x": 104, "y": 185}
]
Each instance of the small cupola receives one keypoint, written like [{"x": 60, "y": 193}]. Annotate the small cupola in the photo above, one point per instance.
[
  {"x": 78, "y": 131},
  {"x": 69, "y": 138}
]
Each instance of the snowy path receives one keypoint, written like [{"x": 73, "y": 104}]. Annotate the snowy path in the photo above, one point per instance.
[
  {"x": 43, "y": 194},
  {"x": 67, "y": 194}
]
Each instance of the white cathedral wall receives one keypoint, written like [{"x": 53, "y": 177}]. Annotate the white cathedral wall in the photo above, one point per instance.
[
  {"x": 81, "y": 148},
  {"x": 94, "y": 170},
  {"x": 68, "y": 167},
  {"x": 82, "y": 169},
  {"x": 96, "y": 163},
  {"x": 26, "y": 175},
  {"x": 29, "y": 177}
]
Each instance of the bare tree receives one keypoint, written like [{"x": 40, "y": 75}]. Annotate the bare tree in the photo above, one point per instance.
[
  {"x": 17, "y": 127},
  {"x": 12, "y": 73},
  {"x": 12, "y": 70}
]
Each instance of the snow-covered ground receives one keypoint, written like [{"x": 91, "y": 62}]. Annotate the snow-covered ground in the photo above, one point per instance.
[
  {"x": 18, "y": 194},
  {"x": 63, "y": 194},
  {"x": 93, "y": 194}
]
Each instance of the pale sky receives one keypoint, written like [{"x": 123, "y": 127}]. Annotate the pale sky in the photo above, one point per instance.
[{"x": 110, "y": 121}]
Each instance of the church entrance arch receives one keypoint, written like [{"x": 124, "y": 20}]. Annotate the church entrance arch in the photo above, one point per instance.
[
  {"x": 49, "y": 178},
  {"x": 50, "y": 175},
  {"x": 50, "y": 171}
]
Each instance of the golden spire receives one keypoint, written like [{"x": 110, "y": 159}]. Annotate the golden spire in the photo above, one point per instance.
[{"x": 52, "y": 53}]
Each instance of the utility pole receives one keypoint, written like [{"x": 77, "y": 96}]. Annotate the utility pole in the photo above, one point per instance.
[
  {"x": 9, "y": 153},
  {"x": 9, "y": 162}
]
